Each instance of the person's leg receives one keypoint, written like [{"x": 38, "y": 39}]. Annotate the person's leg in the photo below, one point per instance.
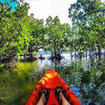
[
  {"x": 63, "y": 99},
  {"x": 42, "y": 100}
]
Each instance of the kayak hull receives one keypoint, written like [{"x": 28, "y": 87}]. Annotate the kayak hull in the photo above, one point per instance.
[{"x": 51, "y": 80}]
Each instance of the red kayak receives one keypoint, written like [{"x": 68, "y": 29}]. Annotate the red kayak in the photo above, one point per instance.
[{"x": 51, "y": 80}]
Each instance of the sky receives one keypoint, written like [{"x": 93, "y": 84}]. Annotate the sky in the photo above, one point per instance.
[
  {"x": 44, "y": 8},
  {"x": 12, "y": 4}
]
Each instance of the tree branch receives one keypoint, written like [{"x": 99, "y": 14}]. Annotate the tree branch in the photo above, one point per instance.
[{"x": 93, "y": 12}]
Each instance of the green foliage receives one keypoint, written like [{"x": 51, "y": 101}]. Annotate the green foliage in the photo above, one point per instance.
[
  {"x": 88, "y": 16},
  {"x": 56, "y": 35},
  {"x": 37, "y": 34},
  {"x": 14, "y": 31},
  {"x": 21, "y": 34}
]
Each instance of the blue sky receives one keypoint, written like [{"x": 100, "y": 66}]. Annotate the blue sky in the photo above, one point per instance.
[{"x": 12, "y": 4}]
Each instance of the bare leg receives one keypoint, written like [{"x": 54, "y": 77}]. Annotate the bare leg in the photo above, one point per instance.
[
  {"x": 42, "y": 100},
  {"x": 63, "y": 99}
]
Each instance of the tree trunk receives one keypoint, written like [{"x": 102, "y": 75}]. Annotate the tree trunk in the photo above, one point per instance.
[
  {"x": 86, "y": 55},
  {"x": 75, "y": 53},
  {"x": 24, "y": 57},
  {"x": 96, "y": 54},
  {"x": 80, "y": 55},
  {"x": 55, "y": 54},
  {"x": 99, "y": 52},
  {"x": 104, "y": 53},
  {"x": 71, "y": 55}
]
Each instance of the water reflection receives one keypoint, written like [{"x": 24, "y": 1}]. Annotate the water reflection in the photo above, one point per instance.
[
  {"x": 44, "y": 63},
  {"x": 66, "y": 61}
]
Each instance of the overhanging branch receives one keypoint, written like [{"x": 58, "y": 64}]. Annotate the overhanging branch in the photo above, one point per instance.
[{"x": 93, "y": 12}]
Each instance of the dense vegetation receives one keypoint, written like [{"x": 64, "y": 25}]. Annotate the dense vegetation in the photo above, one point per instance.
[
  {"x": 21, "y": 34},
  {"x": 88, "y": 16}
]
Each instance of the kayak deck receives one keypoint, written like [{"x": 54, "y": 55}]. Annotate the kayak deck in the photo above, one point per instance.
[{"x": 51, "y": 80}]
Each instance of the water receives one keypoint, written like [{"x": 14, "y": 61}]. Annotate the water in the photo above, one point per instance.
[{"x": 86, "y": 78}]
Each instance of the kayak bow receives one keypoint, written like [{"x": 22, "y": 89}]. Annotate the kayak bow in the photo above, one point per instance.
[{"x": 51, "y": 80}]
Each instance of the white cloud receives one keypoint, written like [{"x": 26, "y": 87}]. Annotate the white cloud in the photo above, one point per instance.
[
  {"x": 102, "y": 0},
  {"x": 40, "y": 8},
  {"x": 44, "y": 8},
  {"x": 61, "y": 7}
]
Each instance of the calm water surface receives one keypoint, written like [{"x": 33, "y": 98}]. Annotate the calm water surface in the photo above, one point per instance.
[{"x": 86, "y": 78}]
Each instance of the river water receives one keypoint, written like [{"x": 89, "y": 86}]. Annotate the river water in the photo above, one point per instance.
[{"x": 86, "y": 78}]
